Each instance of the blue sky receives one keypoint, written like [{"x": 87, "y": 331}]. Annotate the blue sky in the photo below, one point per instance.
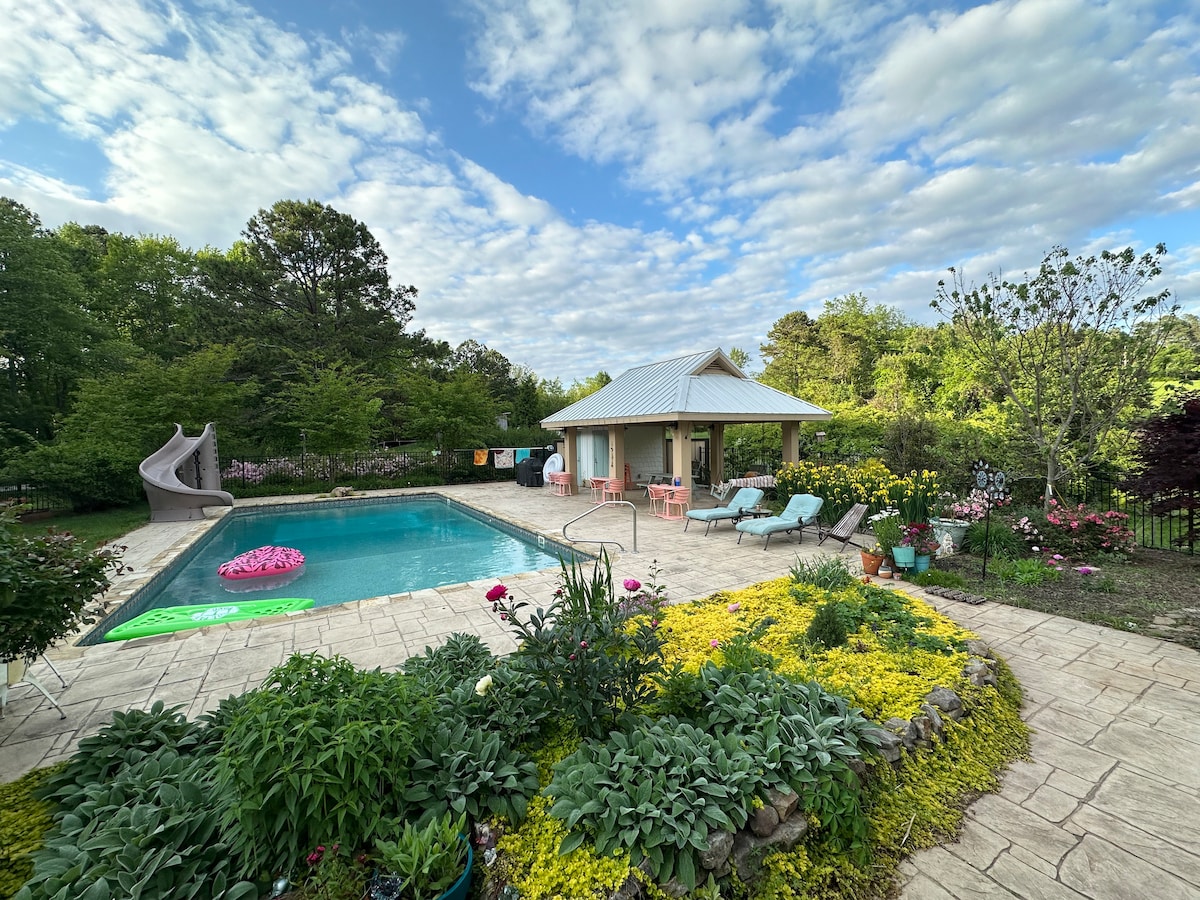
[{"x": 596, "y": 185}]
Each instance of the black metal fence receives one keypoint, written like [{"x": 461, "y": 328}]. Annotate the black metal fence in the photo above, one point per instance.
[
  {"x": 29, "y": 497},
  {"x": 741, "y": 461},
  {"x": 1171, "y": 531},
  {"x": 249, "y": 476}
]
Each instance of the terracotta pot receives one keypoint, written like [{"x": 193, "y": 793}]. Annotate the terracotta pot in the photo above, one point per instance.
[{"x": 870, "y": 563}]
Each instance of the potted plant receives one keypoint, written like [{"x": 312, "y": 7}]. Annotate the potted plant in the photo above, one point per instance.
[
  {"x": 915, "y": 538},
  {"x": 872, "y": 557},
  {"x": 425, "y": 863},
  {"x": 956, "y": 515},
  {"x": 886, "y": 525},
  {"x": 921, "y": 538},
  {"x": 47, "y": 583}
]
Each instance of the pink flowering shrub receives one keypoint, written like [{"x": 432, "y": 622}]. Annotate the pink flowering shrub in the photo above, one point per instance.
[
  {"x": 971, "y": 508},
  {"x": 1025, "y": 529},
  {"x": 1080, "y": 532}
]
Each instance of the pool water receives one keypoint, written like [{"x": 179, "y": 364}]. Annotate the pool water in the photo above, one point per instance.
[{"x": 353, "y": 550}]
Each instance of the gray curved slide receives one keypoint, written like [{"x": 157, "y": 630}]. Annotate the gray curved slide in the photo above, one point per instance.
[{"x": 183, "y": 476}]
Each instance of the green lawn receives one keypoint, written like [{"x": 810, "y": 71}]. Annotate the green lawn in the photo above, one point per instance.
[{"x": 93, "y": 528}]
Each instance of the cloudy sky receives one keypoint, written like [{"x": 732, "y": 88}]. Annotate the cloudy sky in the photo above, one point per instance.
[{"x": 598, "y": 184}]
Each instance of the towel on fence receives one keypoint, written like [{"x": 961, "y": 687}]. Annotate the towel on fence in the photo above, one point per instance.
[
  {"x": 481, "y": 457},
  {"x": 504, "y": 459},
  {"x": 523, "y": 453}
]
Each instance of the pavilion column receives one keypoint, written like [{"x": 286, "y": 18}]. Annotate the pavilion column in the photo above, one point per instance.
[
  {"x": 791, "y": 442},
  {"x": 716, "y": 453},
  {"x": 571, "y": 453},
  {"x": 616, "y": 451},
  {"x": 681, "y": 453}
]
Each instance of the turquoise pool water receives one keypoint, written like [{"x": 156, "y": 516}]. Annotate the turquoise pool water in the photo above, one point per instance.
[{"x": 353, "y": 550}]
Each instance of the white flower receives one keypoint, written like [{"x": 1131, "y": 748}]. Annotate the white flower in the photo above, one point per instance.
[{"x": 483, "y": 685}]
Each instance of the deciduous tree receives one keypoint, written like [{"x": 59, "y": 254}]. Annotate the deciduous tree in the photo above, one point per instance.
[
  {"x": 1071, "y": 347},
  {"x": 46, "y": 337}
]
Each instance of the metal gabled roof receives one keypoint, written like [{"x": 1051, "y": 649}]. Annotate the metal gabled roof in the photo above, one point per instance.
[{"x": 702, "y": 386}]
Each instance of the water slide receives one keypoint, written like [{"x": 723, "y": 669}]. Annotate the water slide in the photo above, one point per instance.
[{"x": 183, "y": 476}]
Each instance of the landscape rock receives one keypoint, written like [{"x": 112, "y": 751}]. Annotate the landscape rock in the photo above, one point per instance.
[
  {"x": 946, "y": 702},
  {"x": 785, "y": 803},
  {"x": 720, "y": 843},
  {"x": 976, "y": 647},
  {"x": 979, "y": 673},
  {"x": 749, "y": 849},
  {"x": 764, "y": 821},
  {"x": 888, "y": 741}
]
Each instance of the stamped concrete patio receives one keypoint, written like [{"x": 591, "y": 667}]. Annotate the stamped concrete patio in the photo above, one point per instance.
[{"x": 1107, "y": 808}]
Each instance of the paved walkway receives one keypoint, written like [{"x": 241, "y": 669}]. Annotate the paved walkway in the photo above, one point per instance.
[{"x": 1108, "y": 808}]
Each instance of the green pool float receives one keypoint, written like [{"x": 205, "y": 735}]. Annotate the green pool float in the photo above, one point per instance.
[{"x": 179, "y": 618}]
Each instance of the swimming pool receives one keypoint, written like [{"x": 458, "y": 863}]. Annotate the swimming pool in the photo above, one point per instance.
[{"x": 354, "y": 549}]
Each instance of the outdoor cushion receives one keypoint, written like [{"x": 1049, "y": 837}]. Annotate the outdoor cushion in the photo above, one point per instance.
[
  {"x": 745, "y": 498},
  {"x": 800, "y": 511}
]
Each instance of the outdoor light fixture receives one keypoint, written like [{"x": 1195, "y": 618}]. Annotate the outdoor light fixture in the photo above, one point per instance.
[{"x": 820, "y": 437}]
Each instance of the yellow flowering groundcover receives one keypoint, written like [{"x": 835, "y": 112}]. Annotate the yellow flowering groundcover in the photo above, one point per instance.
[{"x": 897, "y": 650}]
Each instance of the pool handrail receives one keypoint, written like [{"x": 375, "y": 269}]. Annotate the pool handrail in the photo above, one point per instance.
[{"x": 595, "y": 508}]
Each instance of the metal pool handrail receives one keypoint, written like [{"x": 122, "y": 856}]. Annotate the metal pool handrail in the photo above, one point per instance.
[{"x": 600, "y": 506}]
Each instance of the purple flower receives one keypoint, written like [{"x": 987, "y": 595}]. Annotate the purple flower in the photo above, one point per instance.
[
  {"x": 734, "y": 607},
  {"x": 714, "y": 643},
  {"x": 499, "y": 592},
  {"x": 632, "y": 584},
  {"x": 583, "y": 644}
]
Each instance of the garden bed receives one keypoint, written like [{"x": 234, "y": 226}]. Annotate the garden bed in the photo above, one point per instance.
[
  {"x": 1153, "y": 592},
  {"x": 793, "y": 739}
]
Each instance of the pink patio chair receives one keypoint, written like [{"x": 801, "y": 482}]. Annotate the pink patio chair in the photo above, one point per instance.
[
  {"x": 658, "y": 499},
  {"x": 614, "y": 488},
  {"x": 597, "y": 487},
  {"x": 678, "y": 497}
]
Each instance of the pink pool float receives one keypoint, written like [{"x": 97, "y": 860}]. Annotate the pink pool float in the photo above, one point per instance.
[{"x": 262, "y": 562}]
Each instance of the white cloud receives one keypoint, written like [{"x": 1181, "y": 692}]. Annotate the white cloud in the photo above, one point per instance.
[{"x": 801, "y": 149}]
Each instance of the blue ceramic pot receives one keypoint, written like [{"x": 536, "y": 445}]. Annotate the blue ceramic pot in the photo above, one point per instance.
[
  {"x": 389, "y": 887},
  {"x": 904, "y": 557},
  {"x": 921, "y": 562}
]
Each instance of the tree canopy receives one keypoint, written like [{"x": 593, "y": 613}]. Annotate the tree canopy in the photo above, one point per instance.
[
  {"x": 107, "y": 339},
  {"x": 1072, "y": 347}
]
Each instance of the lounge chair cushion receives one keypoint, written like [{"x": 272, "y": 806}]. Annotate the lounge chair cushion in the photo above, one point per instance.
[
  {"x": 745, "y": 498},
  {"x": 801, "y": 510}
]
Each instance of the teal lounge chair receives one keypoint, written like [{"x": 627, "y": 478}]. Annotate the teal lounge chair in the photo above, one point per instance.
[
  {"x": 800, "y": 511},
  {"x": 745, "y": 498}
]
